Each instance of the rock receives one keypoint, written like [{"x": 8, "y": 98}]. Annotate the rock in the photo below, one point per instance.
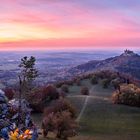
[{"x": 9, "y": 115}]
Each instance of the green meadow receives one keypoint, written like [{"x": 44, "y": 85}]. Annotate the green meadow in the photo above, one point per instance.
[{"x": 100, "y": 119}]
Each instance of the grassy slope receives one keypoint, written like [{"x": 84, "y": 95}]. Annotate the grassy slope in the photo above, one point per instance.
[{"x": 103, "y": 120}]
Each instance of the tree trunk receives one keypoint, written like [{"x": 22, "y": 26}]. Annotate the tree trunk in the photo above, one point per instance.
[{"x": 59, "y": 134}]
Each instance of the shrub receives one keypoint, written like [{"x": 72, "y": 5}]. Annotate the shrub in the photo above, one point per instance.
[
  {"x": 115, "y": 97},
  {"x": 60, "y": 119},
  {"x": 48, "y": 124},
  {"x": 9, "y": 93},
  {"x": 94, "y": 80},
  {"x": 106, "y": 74},
  {"x": 116, "y": 83},
  {"x": 42, "y": 97},
  {"x": 36, "y": 101},
  {"x": 50, "y": 92},
  {"x": 84, "y": 91},
  {"x": 105, "y": 83},
  {"x": 70, "y": 82},
  {"x": 128, "y": 95},
  {"x": 58, "y": 84},
  {"x": 78, "y": 82},
  {"x": 59, "y": 106},
  {"x": 62, "y": 94},
  {"x": 65, "y": 88},
  {"x": 65, "y": 125},
  {"x": 61, "y": 124}
]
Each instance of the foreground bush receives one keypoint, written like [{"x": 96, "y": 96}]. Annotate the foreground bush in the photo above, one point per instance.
[
  {"x": 129, "y": 94},
  {"x": 42, "y": 97},
  {"x": 50, "y": 92},
  {"x": 59, "y": 118},
  {"x": 59, "y": 106}
]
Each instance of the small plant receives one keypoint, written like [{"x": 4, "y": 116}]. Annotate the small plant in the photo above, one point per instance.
[
  {"x": 78, "y": 82},
  {"x": 94, "y": 80},
  {"x": 9, "y": 93},
  {"x": 65, "y": 88},
  {"x": 105, "y": 83},
  {"x": 84, "y": 91},
  {"x": 116, "y": 83}
]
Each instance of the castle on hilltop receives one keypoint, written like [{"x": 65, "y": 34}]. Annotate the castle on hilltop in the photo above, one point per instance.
[{"x": 128, "y": 53}]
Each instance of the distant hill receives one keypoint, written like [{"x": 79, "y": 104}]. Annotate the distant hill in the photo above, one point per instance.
[{"x": 128, "y": 63}]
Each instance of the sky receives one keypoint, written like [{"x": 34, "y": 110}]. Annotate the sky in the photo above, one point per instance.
[{"x": 56, "y": 24}]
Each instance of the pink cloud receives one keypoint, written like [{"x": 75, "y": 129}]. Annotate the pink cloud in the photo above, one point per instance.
[{"x": 93, "y": 26}]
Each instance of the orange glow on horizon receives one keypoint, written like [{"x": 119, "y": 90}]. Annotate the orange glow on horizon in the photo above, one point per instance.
[{"x": 47, "y": 25}]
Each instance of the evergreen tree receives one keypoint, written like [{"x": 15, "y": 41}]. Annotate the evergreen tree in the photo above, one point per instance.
[{"x": 28, "y": 73}]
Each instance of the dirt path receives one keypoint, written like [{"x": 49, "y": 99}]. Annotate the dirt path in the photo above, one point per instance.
[
  {"x": 83, "y": 109},
  {"x": 86, "y": 101},
  {"x": 94, "y": 97},
  {"x": 91, "y": 90}
]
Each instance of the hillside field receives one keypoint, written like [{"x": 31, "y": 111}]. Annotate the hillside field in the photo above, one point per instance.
[{"x": 99, "y": 118}]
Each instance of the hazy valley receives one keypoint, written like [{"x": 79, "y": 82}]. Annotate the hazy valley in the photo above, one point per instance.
[{"x": 52, "y": 66}]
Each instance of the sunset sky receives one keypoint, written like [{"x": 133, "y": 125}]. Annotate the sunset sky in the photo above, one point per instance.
[{"x": 54, "y": 24}]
